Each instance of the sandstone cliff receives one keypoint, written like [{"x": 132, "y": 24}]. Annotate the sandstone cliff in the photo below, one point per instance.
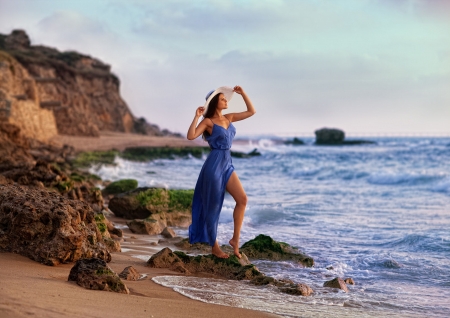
[{"x": 45, "y": 92}]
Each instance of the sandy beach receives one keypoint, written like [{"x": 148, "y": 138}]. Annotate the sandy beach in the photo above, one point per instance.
[
  {"x": 120, "y": 141},
  {"x": 29, "y": 288}
]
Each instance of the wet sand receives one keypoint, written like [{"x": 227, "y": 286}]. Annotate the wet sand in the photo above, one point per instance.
[
  {"x": 28, "y": 288},
  {"x": 120, "y": 141}
]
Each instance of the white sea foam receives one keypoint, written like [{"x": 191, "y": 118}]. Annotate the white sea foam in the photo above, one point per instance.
[{"x": 354, "y": 208}]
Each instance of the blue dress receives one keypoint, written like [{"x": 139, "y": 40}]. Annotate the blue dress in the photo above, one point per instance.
[{"x": 209, "y": 191}]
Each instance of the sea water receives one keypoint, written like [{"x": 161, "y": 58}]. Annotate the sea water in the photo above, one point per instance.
[{"x": 378, "y": 213}]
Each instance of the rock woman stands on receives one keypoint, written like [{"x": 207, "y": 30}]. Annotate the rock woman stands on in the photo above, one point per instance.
[{"x": 217, "y": 174}]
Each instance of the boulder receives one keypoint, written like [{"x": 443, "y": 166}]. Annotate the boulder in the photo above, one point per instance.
[
  {"x": 264, "y": 247},
  {"x": 146, "y": 226},
  {"x": 168, "y": 233},
  {"x": 332, "y": 137},
  {"x": 171, "y": 207},
  {"x": 295, "y": 142},
  {"x": 349, "y": 281},
  {"x": 229, "y": 268},
  {"x": 48, "y": 227},
  {"x": 297, "y": 289},
  {"x": 129, "y": 273},
  {"x": 93, "y": 273},
  {"x": 336, "y": 283},
  {"x": 121, "y": 186},
  {"x": 329, "y": 136}
]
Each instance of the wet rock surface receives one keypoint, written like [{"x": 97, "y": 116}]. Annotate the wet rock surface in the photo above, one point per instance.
[
  {"x": 336, "y": 283},
  {"x": 230, "y": 268},
  {"x": 48, "y": 227},
  {"x": 168, "y": 233},
  {"x": 141, "y": 203},
  {"x": 129, "y": 273},
  {"x": 94, "y": 273},
  {"x": 333, "y": 136},
  {"x": 264, "y": 247},
  {"x": 146, "y": 226}
]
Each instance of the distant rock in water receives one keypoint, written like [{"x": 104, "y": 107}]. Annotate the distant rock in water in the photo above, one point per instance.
[
  {"x": 294, "y": 142},
  {"x": 253, "y": 153},
  {"x": 333, "y": 137},
  {"x": 336, "y": 283}
]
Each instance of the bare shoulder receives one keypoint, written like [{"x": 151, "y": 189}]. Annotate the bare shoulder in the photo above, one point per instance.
[
  {"x": 229, "y": 116},
  {"x": 207, "y": 122}
]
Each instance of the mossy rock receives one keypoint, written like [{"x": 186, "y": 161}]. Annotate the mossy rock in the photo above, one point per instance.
[
  {"x": 89, "y": 158},
  {"x": 230, "y": 268},
  {"x": 152, "y": 153},
  {"x": 121, "y": 186},
  {"x": 101, "y": 225},
  {"x": 264, "y": 247},
  {"x": 174, "y": 206}
]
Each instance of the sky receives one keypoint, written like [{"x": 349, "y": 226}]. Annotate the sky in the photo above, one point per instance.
[{"x": 364, "y": 66}]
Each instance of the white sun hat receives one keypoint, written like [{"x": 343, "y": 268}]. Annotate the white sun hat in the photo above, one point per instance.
[{"x": 225, "y": 90}]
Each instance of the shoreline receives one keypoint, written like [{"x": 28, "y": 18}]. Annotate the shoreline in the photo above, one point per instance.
[
  {"x": 120, "y": 141},
  {"x": 30, "y": 287}
]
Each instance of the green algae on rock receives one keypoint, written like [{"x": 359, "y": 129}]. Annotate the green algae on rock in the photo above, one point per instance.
[
  {"x": 172, "y": 207},
  {"x": 121, "y": 186},
  {"x": 152, "y": 153},
  {"x": 264, "y": 247},
  {"x": 88, "y": 158},
  {"x": 231, "y": 268},
  {"x": 94, "y": 273}
]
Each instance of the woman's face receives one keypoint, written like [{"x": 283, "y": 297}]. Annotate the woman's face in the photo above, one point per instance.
[{"x": 222, "y": 103}]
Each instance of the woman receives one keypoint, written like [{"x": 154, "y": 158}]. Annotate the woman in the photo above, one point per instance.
[{"x": 217, "y": 174}]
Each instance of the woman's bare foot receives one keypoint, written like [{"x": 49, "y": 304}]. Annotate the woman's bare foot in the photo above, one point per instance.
[
  {"x": 216, "y": 251},
  {"x": 235, "y": 247}
]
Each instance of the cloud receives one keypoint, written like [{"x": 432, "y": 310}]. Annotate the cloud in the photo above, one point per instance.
[{"x": 362, "y": 65}]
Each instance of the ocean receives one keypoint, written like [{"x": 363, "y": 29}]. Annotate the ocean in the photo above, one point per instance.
[{"x": 378, "y": 213}]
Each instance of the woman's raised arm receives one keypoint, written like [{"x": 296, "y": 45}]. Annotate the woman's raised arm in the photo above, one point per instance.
[
  {"x": 194, "y": 131},
  {"x": 250, "y": 108}
]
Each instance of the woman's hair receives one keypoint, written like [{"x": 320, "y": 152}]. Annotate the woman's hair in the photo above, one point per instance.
[{"x": 211, "y": 111}]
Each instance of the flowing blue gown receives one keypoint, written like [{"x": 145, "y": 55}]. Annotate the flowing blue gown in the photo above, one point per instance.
[{"x": 209, "y": 191}]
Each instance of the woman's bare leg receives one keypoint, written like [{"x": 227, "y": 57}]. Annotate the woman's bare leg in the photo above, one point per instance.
[
  {"x": 234, "y": 187},
  {"x": 218, "y": 252}
]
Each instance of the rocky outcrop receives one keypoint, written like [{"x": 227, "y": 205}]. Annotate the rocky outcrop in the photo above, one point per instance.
[
  {"x": 64, "y": 92},
  {"x": 349, "y": 281},
  {"x": 336, "y": 283},
  {"x": 168, "y": 233},
  {"x": 264, "y": 247},
  {"x": 94, "y": 273},
  {"x": 295, "y": 142},
  {"x": 146, "y": 226},
  {"x": 154, "y": 206},
  {"x": 130, "y": 273},
  {"x": 121, "y": 186},
  {"x": 20, "y": 103},
  {"x": 230, "y": 268},
  {"x": 333, "y": 137},
  {"x": 48, "y": 227}
]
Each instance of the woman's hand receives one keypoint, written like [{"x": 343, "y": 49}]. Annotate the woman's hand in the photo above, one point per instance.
[
  {"x": 237, "y": 89},
  {"x": 199, "y": 111}
]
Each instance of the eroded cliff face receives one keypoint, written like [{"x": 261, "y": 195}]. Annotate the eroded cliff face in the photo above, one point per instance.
[
  {"x": 80, "y": 91},
  {"x": 19, "y": 101}
]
